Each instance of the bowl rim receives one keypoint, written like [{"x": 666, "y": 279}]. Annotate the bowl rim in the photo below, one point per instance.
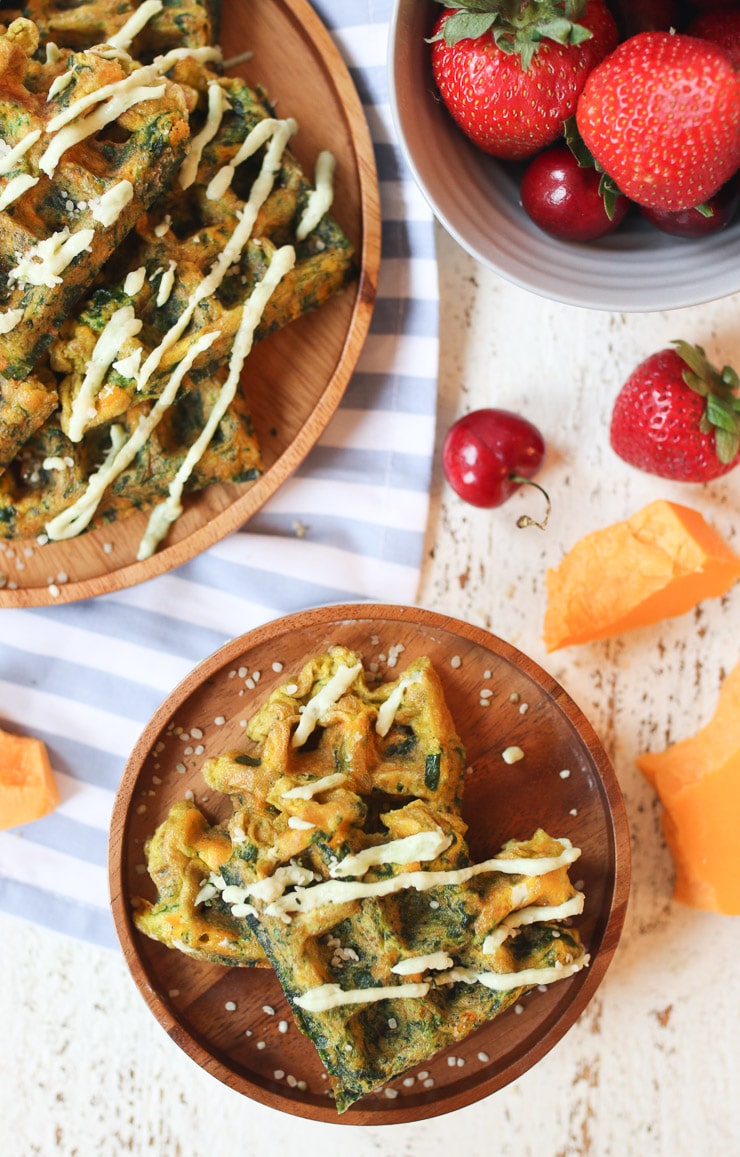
[{"x": 325, "y": 615}]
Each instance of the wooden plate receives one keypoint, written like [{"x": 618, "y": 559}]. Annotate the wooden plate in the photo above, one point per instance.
[
  {"x": 297, "y": 376},
  {"x": 245, "y": 1047}
]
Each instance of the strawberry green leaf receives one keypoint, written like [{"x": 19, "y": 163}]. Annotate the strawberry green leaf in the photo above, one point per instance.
[
  {"x": 727, "y": 445},
  {"x": 464, "y": 26}
]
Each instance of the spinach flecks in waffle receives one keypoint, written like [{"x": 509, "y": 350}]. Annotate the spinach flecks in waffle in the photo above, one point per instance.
[
  {"x": 188, "y": 913},
  {"x": 104, "y": 144},
  {"x": 350, "y": 865},
  {"x": 156, "y": 27}
]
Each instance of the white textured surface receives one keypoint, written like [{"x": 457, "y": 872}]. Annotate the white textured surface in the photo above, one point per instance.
[{"x": 653, "y": 1066}]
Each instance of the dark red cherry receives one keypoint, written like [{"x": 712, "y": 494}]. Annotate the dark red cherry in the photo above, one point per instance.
[
  {"x": 487, "y": 454},
  {"x": 563, "y": 198},
  {"x": 692, "y": 223}
]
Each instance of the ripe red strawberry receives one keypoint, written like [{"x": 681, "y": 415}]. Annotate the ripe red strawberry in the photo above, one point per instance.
[
  {"x": 661, "y": 115},
  {"x": 510, "y": 72},
  {"x": 678, "y": 417}
]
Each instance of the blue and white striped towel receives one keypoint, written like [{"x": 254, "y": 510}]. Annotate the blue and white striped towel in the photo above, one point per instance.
[{"x": 86, "y": 677}]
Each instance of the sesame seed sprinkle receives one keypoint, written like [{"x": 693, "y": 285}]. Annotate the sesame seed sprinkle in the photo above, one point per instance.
[
  {"x": 565, "y": 774},
  {"x": 483, "y": 1058},
  {"x": 391, "y": 1094},
  {"x": 230, "y": 1006},
  {"x": 268, "y": 1009},
  {"x": 261, "y": 1045},
  {"x": 455, "y": 661},
  {"x": 278, "y": 1074}
]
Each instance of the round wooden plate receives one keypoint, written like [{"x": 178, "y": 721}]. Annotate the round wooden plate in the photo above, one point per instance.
[
  {"x": 233, "y": 1021},
  {"x": 296, "y": 378}
]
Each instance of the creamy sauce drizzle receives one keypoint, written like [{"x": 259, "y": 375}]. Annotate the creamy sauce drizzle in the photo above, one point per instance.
[
  {"x": 16, "y": 187},
  {"x": 166, "y": 512},
  {"x": 135, "y": 23},
  {"x": 108, "y": 208},
  {"x": 317, "y": 707},
  {"x": 320, "y": 198},
  {"x": 44, "y": 263},
  {"x": 419, "y": 847},
  {"x": 120, "y": 327},
  {"x": 9, "y": 159},
  {"x": 530, "y": 915},
  {"x": 232, "y": 250},
  {"x": 327, "y": 996},
  {"x": 76, "y": 517},
  {"x": 341, "y": 892},
  {"x": 217, "y": 105},
  {"x": 135, "y": 281},
  {"x": 505, "y": 981},
  {"x": 387, "y": 710},
  {"x": 434, "y": 961},
  {"x": 9, "y": 319},
  {"x": 166, "y": 285},
  {"x": 309, "y": 790}
]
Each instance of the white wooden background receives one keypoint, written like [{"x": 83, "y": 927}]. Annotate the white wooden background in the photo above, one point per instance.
[{"x": 653, "y": 1066}]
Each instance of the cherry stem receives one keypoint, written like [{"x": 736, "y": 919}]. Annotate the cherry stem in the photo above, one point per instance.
[{"x": 525, "y": 519}]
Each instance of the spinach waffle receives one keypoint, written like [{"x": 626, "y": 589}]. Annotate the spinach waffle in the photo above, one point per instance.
[
  {"x": 349, "y": 866},
  {"x": 149, "y": 327}
]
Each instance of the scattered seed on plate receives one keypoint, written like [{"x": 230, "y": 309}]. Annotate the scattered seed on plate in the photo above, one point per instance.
[
  {"x": 249, "y": 683},
  {"x": 483, "y": 1058},
  {"x": 513, "y": 755},
  {"x": 523, "y": 708},
  {"x": 219, "y": 720},
  {"x": 291, "y": 1080},
  {"x": 268, "y": 1009},
  {"x": 514, "y": 697},
  {"x": 189, "y": 795},
  {"x": 564, "y": 774},
  {"x": 243, "y": 672},
  {"x": 278, "y": 1074},
  {"x": 408, "y": 1082},
  {"x": 518, "y": 1009},
  {"x": 230, "y": 1006},
  {"x": 277, "y": 667},
  {"x": 422, "y": 1076},
  {"x": 455, "y": 661},
  {"x": 282, "y": 1026},
  {"x": 573, "y": 811},
  {"x": 141, "y": 809},
  {"x": 429, "y": 1083},
  {"x": 261, "y": 1045},
  {"x": 180, "y": 768},
  {"x": 391, "y": 1094},
  {"x": 460, "y": 1062}
]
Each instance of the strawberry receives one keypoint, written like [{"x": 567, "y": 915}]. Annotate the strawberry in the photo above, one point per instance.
[
  {"x": 678, "y": 417},
  {"x": 510, "y": 71},
  {"x": 661, "y": 116}
]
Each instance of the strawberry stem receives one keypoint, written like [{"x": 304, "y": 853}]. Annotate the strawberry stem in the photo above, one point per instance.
[{"x": 518, "y": 27}]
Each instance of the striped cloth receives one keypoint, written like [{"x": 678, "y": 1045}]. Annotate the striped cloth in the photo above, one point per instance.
[{"x": 86, "y": 677}]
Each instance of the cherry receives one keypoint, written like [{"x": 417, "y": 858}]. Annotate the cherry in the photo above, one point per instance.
[
  {"x": 692, "y": 223},
  {"x": 488, "y": 454},
  {"x": 563, "y": 198}
]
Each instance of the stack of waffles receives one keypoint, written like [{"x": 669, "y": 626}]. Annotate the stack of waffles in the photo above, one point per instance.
[{"x": 155, "y": 225}]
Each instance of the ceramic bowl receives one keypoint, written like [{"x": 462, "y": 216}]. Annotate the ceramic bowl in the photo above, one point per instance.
[
  {"x": 476, "y": 199},
  {"x": 236, "y": 1023}
]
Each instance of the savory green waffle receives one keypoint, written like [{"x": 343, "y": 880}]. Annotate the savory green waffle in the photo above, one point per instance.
[
  {"x": 50, "y": 473},
  {"x": 180, "y": 856},
  {"x": 80, "y": 163},
  {"x": 175, "y": 294},
  {"x": 158, "y": 27},
  {"x": 350, "y": 866}
]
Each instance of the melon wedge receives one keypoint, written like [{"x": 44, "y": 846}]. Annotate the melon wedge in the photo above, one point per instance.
[
  {"x": 698, "y": 781},
  {"x": 28, "y": 789},
  {"x": 655, "y": 565}
]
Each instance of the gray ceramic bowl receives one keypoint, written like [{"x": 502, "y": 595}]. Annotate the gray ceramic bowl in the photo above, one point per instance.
[{"x": 476, "y": 198}]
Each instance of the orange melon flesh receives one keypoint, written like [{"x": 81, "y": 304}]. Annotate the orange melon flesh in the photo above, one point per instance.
[
  {"x": 657, "y": 564},
  {"x": 28, "y": 789},
  {"x": 698, "y": 781}
]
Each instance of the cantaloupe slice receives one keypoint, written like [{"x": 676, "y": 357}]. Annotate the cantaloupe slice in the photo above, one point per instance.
[
  {"x": 657, "y": 564},
  {"x": 698, "y": 781},
  {"x": 28, "y": 789}
]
